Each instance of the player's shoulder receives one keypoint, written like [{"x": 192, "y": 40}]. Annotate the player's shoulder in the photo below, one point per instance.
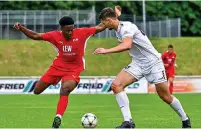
[
  {"x": 54, "y": 32},
  {"x": 81, "y": 29},
  {"x": 174, "y": 53},
  {"x": 165, "y": 53},
  {"x": 127, "y": 24}
]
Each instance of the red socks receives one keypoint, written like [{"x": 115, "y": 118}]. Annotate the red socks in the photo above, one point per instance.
[
  {"x": 62, "y": 104},
  {"x": 171, "y": 87}
]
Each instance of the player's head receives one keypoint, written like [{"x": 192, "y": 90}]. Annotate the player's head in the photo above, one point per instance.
[
  {"x": 170, "y": 48},
  {"x": 108, "y": 17},
  {"x": 67, "y": 26}
]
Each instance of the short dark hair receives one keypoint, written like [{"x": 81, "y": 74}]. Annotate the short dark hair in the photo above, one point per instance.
[
  {"x": 170, "y": 46},
  {"x": 66, "y": 20},
  {"x": 107, "y": 12}
]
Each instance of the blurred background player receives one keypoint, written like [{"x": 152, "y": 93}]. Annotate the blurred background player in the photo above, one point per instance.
[
  {"x": 146, "y": 62},
  {"x": 169, "y": 60},
  {"x": 70, "y": 44}
]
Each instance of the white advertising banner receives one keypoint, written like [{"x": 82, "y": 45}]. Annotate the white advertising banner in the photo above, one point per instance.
[
  {"x": 103, "y": 85},
  {"x": 183, "y": 85},
  {"x": 92, "y": 85}
]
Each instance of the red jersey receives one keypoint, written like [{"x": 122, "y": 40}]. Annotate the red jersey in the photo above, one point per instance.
[
  {"x": 70, "y": 52},
  {"x": 170, "y": 60}
]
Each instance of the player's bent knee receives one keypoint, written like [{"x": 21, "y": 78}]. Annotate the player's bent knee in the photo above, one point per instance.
[
  {"x": 66, "y": 90},
  {"x": 113, "y": 87},
  {"x": 170, "y": 80},
  {"x": 117, "y": 87}
]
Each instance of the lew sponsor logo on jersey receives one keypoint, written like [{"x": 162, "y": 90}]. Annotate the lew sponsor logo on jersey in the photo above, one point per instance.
[{"x": 67, "y": 48}]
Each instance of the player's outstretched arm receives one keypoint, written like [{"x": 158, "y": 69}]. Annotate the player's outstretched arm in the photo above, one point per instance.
[
  {"x": 117, "y": 10},
  {"x": 29, "y": 33},
  {"x": 125, "y": 45},
  {"x": 100, "y": 27}
]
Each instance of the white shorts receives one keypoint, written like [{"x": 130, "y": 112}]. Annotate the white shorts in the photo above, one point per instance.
[{"x": 154, "y": 73}]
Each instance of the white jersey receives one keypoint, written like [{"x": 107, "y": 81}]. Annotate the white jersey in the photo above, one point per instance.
[{"x": 142, "y": 51}]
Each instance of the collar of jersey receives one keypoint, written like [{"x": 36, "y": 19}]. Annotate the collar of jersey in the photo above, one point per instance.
[{"x": 65, "y": 38}]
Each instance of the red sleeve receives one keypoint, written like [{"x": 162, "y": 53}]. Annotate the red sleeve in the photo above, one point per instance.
[
  {"x": 49, "y": 36},
  {"x": 174, "y": 58},
  {"x": 89, "y": 31}
]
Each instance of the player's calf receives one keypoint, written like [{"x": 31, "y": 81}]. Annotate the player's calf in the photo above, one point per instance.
[
  {"x": 67, "y": 87},
  {"x": 173, "y": 102},
  {"x": 40, "y": 86},
  {"x": 163, "y": 92},
  {"x": 166, "y": 97}
]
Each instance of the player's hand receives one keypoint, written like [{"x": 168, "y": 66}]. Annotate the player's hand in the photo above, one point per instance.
[
  {"x": 117, "y": 10},
  {"x": 176, "y": 66},
  {"x": 17, "y": 26},
  {"x": 100, "y": 51}
]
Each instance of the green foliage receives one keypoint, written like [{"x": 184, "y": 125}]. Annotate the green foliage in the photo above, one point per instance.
[
  {"x": 32, "y": 58},
  {"x": 188, "y": 11}
]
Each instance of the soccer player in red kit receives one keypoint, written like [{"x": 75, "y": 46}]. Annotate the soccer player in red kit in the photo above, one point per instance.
[
  {"x": 169, "y": 58},
  {"x": 70, "y": 44}
]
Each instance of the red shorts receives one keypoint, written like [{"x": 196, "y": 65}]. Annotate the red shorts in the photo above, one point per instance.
[
  {"x": 53, "y": 76},
  {"x": 170, "y": 74}
]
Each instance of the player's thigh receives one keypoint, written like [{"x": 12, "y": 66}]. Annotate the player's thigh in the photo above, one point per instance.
[
  {"x": 68, "y": 86},
  {"x": 51, "y": 77},
  {"x": 127, "y": 76},
  {"x": 69, "y": 82}
]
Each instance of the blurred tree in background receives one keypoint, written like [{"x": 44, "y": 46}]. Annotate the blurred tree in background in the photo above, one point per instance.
[{"x": 188, "y": 11}]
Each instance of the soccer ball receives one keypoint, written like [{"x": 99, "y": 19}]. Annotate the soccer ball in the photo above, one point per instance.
[{"x": 89, "y": 120}]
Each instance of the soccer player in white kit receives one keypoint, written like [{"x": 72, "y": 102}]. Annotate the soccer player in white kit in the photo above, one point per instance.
[{"x": 146, "y": 62}]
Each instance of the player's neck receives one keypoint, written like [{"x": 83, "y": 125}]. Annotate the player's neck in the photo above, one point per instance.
[{"x": 116, "y": 24}]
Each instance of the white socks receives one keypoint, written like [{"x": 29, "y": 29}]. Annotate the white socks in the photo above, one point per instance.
[
  {"x": 176, "y": 105},
  {"x": 122, "y": 100},
  {"x": 59, "y": 115}
]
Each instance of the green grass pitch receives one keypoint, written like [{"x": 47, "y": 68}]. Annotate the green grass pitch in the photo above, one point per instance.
[{"x": 148, "y": 111}]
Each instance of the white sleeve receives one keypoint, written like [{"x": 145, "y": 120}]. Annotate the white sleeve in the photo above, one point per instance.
[{"x": 129, "y": 30}]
